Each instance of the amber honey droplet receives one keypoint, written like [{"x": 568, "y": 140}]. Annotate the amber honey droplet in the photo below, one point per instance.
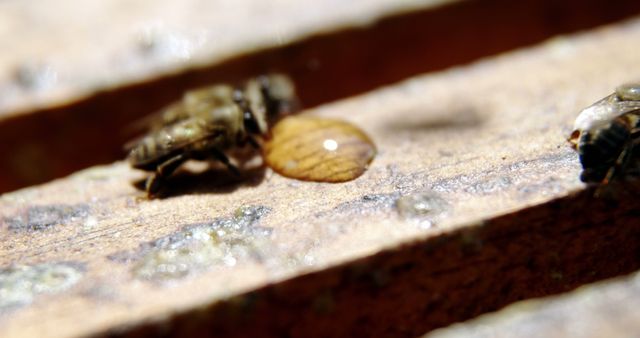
[{"x": 318, "y": 149}]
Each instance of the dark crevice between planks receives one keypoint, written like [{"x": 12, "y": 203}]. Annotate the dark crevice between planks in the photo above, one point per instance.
[
  {"x": 412, "y": 289},
  {"x": 54, "y": 142}
]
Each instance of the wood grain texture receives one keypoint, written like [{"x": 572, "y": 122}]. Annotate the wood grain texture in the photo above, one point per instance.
[{"x": 269, "y": 256}]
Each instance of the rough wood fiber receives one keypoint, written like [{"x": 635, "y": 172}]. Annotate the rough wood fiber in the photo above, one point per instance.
[{"x": 484, "y": 146}]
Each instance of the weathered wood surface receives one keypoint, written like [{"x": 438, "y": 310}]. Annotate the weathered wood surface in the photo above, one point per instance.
[
  {"x": 122, "y": 59},
  {"x": 116, "y": 42},
  {"x": 125, "y": 59},
  {"x": 607, "y": 309},
  {"x": 483, "y": 146}
]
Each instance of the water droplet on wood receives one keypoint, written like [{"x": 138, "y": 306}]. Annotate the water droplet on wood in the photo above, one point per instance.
[{"x": 318, "y": 149}]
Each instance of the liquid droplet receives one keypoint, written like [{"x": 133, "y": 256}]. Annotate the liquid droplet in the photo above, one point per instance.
[
  {"x": 22, "y": 284},
  {"x": 421, "y": 204},
  {"x": 318, "y": 149}
]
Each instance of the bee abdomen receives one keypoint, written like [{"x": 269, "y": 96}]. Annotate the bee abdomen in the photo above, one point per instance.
[
  {"x": 151, "y": 150},
  {"x": 599, "y": 151}
]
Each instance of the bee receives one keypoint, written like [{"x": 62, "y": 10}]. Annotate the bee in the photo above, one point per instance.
[
  {"x": 606, "y": 136},
  {"x": 209, "y": 123}
]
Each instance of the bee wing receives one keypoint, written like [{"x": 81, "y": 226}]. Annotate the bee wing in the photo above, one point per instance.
[
  {"x": 173, "y": 138},
  {"x": 173, "y": 113},
  {"x": 603, "y": 111},
  {"x": 628, "y": 106},
  {"x": 192, "y": 130}
]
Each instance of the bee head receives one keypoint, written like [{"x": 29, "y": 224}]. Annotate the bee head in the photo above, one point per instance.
[
  {"x": 269, "y": 98},
  {"x": 278, "y": 94},
  {"x": 253, "y": 123}
]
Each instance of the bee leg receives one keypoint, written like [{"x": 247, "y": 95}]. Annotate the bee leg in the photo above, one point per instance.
[
  {"x": 220, "y": 156},
  {"x": 620, "y": 165},
  {"x": 165, "y": 169},
  {"x": 153, "y": 184}
]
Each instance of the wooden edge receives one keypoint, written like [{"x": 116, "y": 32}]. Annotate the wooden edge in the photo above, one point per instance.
[
  {"x": 405, "y": 291},
  {"x": 605, "y": 309}
]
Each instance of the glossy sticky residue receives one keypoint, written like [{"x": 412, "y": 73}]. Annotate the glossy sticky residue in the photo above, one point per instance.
[
  {"x": 225, "y": 241},
  {"x": 20, "y": 284},
  {"x": 424, "y": 207},
  {"x": 318, "y": 149}
]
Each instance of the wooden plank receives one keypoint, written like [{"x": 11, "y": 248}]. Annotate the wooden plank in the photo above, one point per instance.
[
  {"x": 606, "y": 309},
  {"x": 127, "y": 42},
  {"x": 52, "y": 99},
  {"x": 269, "y": 256}
]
